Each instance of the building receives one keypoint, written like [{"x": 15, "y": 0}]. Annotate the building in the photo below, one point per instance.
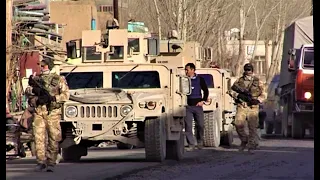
[
  {"x": 76, "y": 16},
  {"x": 262, "y": 60}
]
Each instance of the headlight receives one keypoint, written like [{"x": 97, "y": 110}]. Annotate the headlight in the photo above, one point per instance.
[
  {"x": 151, "y": 105},
  {"x": 71, "y": 111},
  {"x": 307, "y": 95},
  {"x": 124, "y": 110}
]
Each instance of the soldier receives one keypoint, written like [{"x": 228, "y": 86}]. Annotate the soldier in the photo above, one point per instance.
[
  {"x": 51, "y": 91},
  {"x": 194, "y": 108},
  {"x": 249, "y": 92}
]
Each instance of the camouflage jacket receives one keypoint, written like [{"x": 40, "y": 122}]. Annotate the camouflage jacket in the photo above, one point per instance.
[
  {"x": 254, "y": 86},
  {"x": 56, "y": 85}
]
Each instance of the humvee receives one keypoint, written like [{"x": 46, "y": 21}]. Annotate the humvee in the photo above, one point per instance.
[
  {"x": 219, "y": 112},
  {"x": 113, "y": 99},
  {"x": 141, "y": 108},
  {"x": 173, "y": 53}
]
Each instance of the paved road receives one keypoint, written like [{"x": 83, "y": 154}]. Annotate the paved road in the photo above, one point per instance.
[{"x": 277, "y": 159}]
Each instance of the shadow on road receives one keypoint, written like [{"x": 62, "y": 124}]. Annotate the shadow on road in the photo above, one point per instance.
[{"x": 279, "y": 136}]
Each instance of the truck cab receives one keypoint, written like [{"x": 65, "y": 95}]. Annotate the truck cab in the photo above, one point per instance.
[{"x": 297, "y": 98}]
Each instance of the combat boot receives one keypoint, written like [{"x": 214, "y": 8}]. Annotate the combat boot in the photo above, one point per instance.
[
  {"x": 200, "y": 145},
  {"x": 50, "y": 168},
  {"x": 242, "y": 146},
  {"x": 190, "y": 148},
  {"x": 40, "y": 167},
  {"x": 256, "y": 147},
  {"x": 251, "y": 150}
]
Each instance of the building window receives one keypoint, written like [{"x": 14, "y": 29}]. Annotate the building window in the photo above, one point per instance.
[
  {"x": 260, "y": 67},
  {"x": 105, "y": 8}
]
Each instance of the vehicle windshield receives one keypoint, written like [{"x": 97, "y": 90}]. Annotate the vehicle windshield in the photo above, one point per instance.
[
  {"x": 80, "y": 80},
  {"x": 308, "y": 60},
  {"x": 208, "y": 79},
  {"x": 135, "y": 79}
]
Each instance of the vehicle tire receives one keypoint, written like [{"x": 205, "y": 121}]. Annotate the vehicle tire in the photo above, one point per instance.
[
  {"x": 124, "y": 146},
  {"x": 175, "y": 149},
  {"x": 286, "y": 130},
  {"x": 155, "y": 140},
  {"x": 269, "y": 127},
  {"x": 227, "y": 137},
  {"x": 298, "y": 130},
  {"x": 73, "y": 153},
  {"x": 211, "y": 129},
  {"x": 22, "y": 151}
]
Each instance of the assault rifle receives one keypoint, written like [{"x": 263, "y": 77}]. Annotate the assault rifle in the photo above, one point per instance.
[
  {"x": 244, "y": 95},
  {"x": 44, "y": 97}
]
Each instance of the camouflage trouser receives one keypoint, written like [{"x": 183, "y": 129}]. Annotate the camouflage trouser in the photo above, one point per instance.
[
  {"x": 249, "y": 114},
  {"x": 47, "y": 125}
]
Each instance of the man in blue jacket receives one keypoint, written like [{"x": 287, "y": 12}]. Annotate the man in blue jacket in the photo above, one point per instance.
[{"x": 194, "y": 109}]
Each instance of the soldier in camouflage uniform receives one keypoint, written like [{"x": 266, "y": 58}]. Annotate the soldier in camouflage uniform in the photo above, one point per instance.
[
  {"x": 248, "y": 112},
  {"x": 47, "y": 115}
]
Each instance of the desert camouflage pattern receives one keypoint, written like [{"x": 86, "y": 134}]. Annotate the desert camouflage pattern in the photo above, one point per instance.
[
  {"x": 47, "y": 123},
  {"x": 249, "y": 114}
]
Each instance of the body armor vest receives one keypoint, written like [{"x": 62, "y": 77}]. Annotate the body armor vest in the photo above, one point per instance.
[
  {"x": 252, "y": 87},
  {"x": 51, "y": 84}
]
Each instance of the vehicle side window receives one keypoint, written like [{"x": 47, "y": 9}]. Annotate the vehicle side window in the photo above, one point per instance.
[{"x": 208, "y": 78}]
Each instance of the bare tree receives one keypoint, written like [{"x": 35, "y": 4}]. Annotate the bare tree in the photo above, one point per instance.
[
  {"x": 205, "y": 21},
  {"x": 265, "y": 8},
  {"x": 244, "y": 10},
  {"x": 158, "y": 17},
  {"x": 283, "y": 17}
]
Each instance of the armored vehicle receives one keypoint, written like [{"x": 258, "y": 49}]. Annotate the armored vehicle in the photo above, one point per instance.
[
  {"x": 137, "y": 104},
  {"x": 220, "y": 110},
  {"x": 173, "y": 53}
]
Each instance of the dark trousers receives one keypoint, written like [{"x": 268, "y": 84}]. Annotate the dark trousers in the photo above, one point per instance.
[{"x": 195, "y": 112}]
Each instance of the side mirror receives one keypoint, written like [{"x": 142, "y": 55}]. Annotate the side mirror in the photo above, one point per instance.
[
  {"x": 185, "y": 86},
  {"x": 291, "y": 61},
  {"x": 291, "y": 65},
  {"x": 292, "y": 52},
  {"x": 277, "y": 91}
]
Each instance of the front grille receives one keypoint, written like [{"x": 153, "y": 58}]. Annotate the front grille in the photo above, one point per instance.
[{"x": 103, "y": 111}]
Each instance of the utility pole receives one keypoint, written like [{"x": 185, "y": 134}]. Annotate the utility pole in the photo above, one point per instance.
[{"x": 8, "y": 46}]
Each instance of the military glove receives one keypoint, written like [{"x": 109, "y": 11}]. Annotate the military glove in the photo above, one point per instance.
[
  {"x": 243, "y": 97},
  {"x": 42, "y": 100},
  {"x": 36, "y": 91},
  {"x": 53, "y": 99}
]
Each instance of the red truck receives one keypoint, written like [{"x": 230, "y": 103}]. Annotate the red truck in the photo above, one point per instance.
[{"x": 296, "y": 86}]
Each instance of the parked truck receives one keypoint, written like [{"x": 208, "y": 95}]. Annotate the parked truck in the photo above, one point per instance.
[{"x": 296, "y": 86}]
